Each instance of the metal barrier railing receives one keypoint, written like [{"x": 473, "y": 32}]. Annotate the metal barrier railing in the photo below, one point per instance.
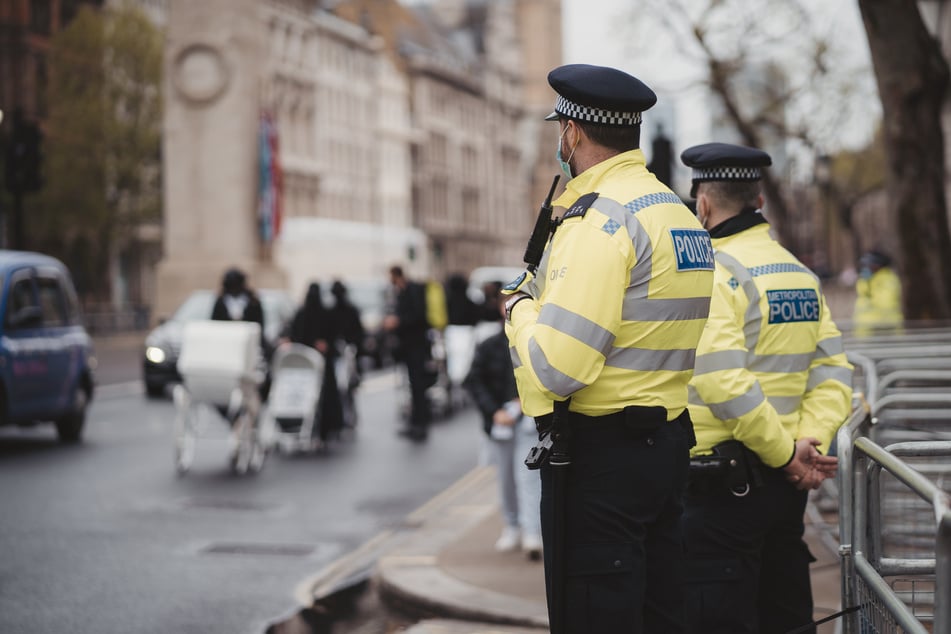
[
  {"x": 918, "y": 597},
  {"x": 894, "y": 525}
]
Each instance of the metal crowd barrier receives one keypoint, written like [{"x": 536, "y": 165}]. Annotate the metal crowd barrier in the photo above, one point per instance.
[{"x": 895, "y": 462}]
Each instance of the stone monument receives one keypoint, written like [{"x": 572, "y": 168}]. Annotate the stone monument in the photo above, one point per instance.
[{"x": 215, "y": 57}]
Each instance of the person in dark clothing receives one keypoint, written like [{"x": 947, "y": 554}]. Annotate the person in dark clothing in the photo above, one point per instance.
[
  {"x": 237, "y": 302},
  {"x": 313, "y": 326},
  {"x": 490, "y": 305},
  {"x": 462, "y": 310},
  {"x": 350, "y": 337},
  {"x": 491, "y": 382},
  {"x": 412, "y": 330},
  {"x": 346, "y": 316}
]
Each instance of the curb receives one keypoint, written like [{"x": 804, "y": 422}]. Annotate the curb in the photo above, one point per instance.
[
  {"x": 409, "y": 575},
  {"x": 403, "y": 561}
]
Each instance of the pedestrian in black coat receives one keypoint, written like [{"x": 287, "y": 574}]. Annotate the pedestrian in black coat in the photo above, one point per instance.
[
  {"x": 411, "y": 326},
  {"x": 237, "y": 302},
  {"x": 346, "y": 316},
  {"x": 462, "y": 310},
  {"x": 313, "y": 326}
]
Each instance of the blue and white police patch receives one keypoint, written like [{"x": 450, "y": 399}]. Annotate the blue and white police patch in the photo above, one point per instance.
[
  {"x": 512, "y": 286},
  {"x": 693, "y": 249},
  {"x": 794, "y": 305}
]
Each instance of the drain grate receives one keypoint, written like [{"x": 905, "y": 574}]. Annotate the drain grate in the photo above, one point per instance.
[
  {"x": 226, "y": 505},
  {"x": 276, "y": 550}
]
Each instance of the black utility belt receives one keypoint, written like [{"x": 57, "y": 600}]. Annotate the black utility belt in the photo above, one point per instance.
[
  {"x": 572, "y": 428},
  {"x": 632, "y": 418},
  {"x": 732, "y": 464}
]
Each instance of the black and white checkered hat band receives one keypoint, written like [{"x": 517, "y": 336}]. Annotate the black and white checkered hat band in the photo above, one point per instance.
[
  {"x": 595, "y": 115},
  {"x": 727, "y": 174}
]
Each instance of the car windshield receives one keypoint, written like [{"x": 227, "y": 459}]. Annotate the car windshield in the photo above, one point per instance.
[
  {"x": 277, "y": 305},
  {"x": 197, "y": 306}
]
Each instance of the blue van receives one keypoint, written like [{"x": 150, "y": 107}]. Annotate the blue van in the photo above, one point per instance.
[{"x": 46, "y": 355}]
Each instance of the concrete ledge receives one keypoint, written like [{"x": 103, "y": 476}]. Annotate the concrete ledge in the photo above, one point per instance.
[{"x": 430, "y": 590}]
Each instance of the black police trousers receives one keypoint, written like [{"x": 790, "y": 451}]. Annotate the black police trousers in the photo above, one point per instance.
[
  {"x": 747, "y": 564},
  {"x": 623, "y": 550}
]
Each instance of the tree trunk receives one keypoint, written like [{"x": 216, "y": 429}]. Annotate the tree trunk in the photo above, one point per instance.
[{"x": 912, "y": 77}]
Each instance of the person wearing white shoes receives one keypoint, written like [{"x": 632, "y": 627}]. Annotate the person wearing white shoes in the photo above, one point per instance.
[{"x": 491, "y": 382}]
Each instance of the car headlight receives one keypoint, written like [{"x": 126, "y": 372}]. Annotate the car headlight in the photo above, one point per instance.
[{"x": 155, "y": 354}]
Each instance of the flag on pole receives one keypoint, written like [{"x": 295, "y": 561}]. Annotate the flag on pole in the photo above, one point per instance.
[{"x": 270, "y": 179}]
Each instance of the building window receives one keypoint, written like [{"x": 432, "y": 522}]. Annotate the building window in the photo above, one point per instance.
[{"x": 40, "y": 16}]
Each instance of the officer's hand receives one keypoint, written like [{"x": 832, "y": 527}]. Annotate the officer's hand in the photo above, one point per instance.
[
  {"x": 524, "y": 283},
  {"x": 826, "y": 465},
  {"x": 809, "y": 467},
  {"x": 798, "y": 469}
]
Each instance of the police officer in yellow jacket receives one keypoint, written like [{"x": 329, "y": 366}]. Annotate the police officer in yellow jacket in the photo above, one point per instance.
[
  {"x": 877, "y": 296},
  {"x": 770, "y": 388},
  {"x": 610, "y": 325}
]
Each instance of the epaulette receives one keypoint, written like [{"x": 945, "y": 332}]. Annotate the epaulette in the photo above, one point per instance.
[{"x": 580, "y": 207}]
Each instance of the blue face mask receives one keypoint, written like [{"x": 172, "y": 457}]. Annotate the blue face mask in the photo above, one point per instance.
[{"x": 561, "y": 161}]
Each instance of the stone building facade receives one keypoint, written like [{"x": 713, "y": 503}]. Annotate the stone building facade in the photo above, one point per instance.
[{"x": 404, "y": 137}]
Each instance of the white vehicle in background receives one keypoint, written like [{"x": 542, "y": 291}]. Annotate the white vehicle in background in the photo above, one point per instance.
[{"x": 482, "y": 275}]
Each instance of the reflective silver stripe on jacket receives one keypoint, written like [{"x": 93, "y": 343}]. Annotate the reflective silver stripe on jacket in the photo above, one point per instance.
[
  {"x": 822, "y": 373},
  {"x": 754, "y": 316},
  {"x": 646, "y": 360},
  {"x": 637, "y": 306},
  {"x": 785, "y": 404},
  {"x": 720, "y": 360},
  {"x": 737, "y": 359},
  {"x": 830, "y": 347},
  {"x": 786, "y": 363},
  {"x": 732, "y": 408},
  {"x": 676, "y": 309},
  {"x": 576, "y": 326},
  {"x": 553, "y": 380},
  {"x": 640, "y": 241}
]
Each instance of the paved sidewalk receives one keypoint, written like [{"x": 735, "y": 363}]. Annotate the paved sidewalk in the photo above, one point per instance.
[{"x": 441, "y": 564}]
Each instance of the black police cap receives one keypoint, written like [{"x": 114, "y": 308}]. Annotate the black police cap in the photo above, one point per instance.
[
  {"x": 599, "y": 94},
  {"x": 724, "y": 162}
]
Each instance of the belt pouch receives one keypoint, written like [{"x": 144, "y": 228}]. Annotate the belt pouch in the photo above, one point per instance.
[
  {"x": 737, "y": 474},
  {"x": 643, "y": 421}
]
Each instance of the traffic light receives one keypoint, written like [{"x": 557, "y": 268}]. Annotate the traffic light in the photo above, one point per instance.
[{"x": 24, "y": 159}]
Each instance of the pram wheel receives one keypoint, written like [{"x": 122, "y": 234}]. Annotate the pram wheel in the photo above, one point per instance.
[
  {"x": 249, "y": 452},
  {"x": 185, "y": 430}
]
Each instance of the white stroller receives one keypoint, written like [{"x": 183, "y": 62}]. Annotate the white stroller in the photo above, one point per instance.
[
  {"x": 297, "y": 373},
  {"x": 220, "y": 365}
]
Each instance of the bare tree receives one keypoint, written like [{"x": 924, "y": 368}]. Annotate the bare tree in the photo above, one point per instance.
[
  {"x": 912, "y": 80},
  {"x": 770, "y": 72}
]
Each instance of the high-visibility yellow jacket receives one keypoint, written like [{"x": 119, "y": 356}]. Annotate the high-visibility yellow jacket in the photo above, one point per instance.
[
  {"x": 770, "y": 365},
  {"x": 878, "y": 303},
  {"x": 623, "y": 293}
]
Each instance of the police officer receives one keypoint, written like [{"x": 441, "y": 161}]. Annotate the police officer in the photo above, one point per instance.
[
  {"x": 877, "y": 296},
  {"x": 770, "y": 388},
  {"x": 609, "y": 327}
]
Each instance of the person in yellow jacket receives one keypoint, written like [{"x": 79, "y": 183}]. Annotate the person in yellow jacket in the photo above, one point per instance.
[
  {"x": 770, "y": 388},
  {"x": 609, "y": 327},
  {"x": 877, "y": 296}
]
